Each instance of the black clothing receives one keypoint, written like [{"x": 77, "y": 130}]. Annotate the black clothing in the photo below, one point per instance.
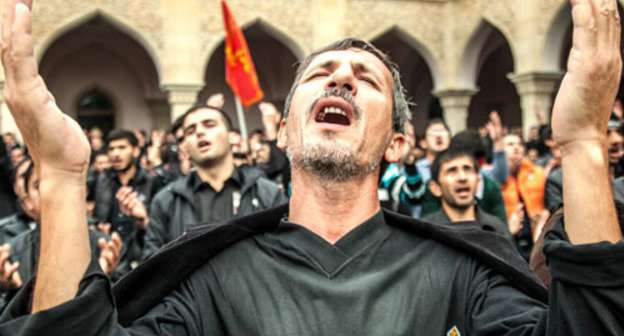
[
  {"x": 14, "y": 225},
  {"x": 553, "y": 191},
  {"x": 277, "y": 168},
  {"x": 189, "y": 200},
  {"x": 484, "y": 220},
  {"x": 25, "y": 249},
  {"x": 217, "y": 205},
  {"x": 267, "y": 282},
  {"x": 8, "y": 200},
  {"x": 107, "y": 211}
]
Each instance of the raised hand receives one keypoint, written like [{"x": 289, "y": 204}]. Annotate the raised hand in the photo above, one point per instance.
[
  {"x": 583, "y": 104},
  {"x": 495, "y": 130},
  {"x": 110, "y": 253},
  {"x": 60, "y": 151},
  {"x": 580, "y": 118},
  {"x": 270, "y": 118},
  {"x": 131, "y": 206},
  {"x": 216, "y": 100},
  {"x": 10, "y": 278}
]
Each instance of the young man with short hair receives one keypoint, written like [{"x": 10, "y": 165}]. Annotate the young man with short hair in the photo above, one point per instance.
[{"x": 455, "y": 179}]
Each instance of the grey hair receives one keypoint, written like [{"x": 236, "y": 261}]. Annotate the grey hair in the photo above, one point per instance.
[{"x": 400, "y": 108}]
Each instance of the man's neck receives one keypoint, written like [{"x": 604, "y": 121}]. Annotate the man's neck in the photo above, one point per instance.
[
  {"x": 459, "y": 214},
  {"x": 125, "y": 176},
  {"x": 332, "y": 209},
  {"x": 431, "y": 155},
  {"x": 217, "y": 173}
]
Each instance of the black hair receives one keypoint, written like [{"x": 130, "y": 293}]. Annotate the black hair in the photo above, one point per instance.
[
  {"x": 400, "y": 110},
  {"x": 121, "y": 135},
  {"x": 27, "y": 159},
  {"x": 447, "y": 156},
  {"x": 469, "y": 141},
  {"x": 27, "y": 175},
  {"x": 226, "y": 118}
]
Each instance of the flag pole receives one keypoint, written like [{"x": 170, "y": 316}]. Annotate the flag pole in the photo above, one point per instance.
[{"x": 242, "y": 124}]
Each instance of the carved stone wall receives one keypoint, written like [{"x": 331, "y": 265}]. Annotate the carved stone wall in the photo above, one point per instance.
[{"x": 182, "y": 44}]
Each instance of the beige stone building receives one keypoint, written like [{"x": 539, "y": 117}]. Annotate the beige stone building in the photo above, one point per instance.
[{"x": 140, "y": 63}]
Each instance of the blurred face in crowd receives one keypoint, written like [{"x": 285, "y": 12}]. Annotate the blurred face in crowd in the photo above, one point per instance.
[
  {"x": 122, "y": 155},
  {"x": 340, "y": 119},
  {"x": 206, "y": 137},
  {"x": 97, "y": 144},
  {"x": 533, "y": 154},
  {"x": 101, "y": 163},
  {"x": 457, "y": 182},
  {"x": 615, "y": 144},
  {"x": 534, "y": 133},
  {"x": 9, "y": 139},
  {"x": 437, "y": 138},
  {"x": 261, "y": 153},
  {"x": 95, "y": 133},
  {"x": 17, "y": 155},
  {"x": 32, "y": 203},
  {"x": 18, "y": 184},
  {"x": 514, "y": 150}
]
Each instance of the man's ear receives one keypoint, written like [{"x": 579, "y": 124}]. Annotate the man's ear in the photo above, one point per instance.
[
  {"x": 435, "y": 188},
  {"x": 281, "y": 135},
  {"x": 395, "y": 149}
]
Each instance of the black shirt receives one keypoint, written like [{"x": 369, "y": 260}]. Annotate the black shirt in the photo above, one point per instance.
[{"x": 217, "y": 205}]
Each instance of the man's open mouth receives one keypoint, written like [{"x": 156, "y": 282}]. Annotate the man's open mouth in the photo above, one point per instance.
[
  {"x": 203, "y": 144},
  {"x": 334, "y": 111},
  {"x": 463, "y": 191}
]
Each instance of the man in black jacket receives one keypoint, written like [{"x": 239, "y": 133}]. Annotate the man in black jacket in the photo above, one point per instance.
[
  {"x": 455, "y": 179},
  {"x": 334, "y": 264},
  {"x": 215, "y": 191},
  {"x": 126, "y": 176}
]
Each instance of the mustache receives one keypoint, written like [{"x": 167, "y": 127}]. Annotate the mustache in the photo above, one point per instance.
[{"x": 344, "y": 95}]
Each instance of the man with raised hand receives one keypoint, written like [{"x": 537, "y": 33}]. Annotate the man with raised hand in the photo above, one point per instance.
[{"x": 332, "y": 263}]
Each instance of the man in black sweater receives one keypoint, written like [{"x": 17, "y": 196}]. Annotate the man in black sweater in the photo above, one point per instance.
[{"x": 333, "y": 263}]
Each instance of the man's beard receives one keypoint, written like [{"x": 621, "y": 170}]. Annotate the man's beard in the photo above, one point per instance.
[{"x": 332, "y": 161}]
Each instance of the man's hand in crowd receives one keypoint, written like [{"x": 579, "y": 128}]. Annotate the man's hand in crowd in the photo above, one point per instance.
[
  {"x": 10, "y": 278},
  {"x": 104, "y": 228},
  {"x": 216, "y": 100},
  {"x": 580, "y": 118},
  {"x": 270, "y": 119},
  {"x": 60, "y": 151},
  {"x": 110, "y": 253},
  {"x": 515, "y": 220},
  {"x": 131, "y": 206},
  {"x": 494, "y": 127}
]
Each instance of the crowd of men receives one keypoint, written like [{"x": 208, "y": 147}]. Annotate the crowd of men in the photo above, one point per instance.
[{"x": 487, "y": 193}]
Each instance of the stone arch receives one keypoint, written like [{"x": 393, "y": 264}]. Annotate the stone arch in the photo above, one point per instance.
[
  {"x": 275, "y": 56},
  {"x": 119, "y": 25},
  {"x": 472, "y": 58},
  {"x": 124, "y": 69},
  {"x": 486, "y": 63},
  {"x": 422, "y": 50},
  {"x": 417, "y": 74},
  {"x": 559, "y": 39}
]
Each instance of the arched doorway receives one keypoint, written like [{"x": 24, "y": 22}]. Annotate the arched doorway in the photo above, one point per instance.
[
  {"x": 491, "y": 60},
  {"x": 416, "y": 74},
  {"x": 97, "y": 64},
  {"x": 275, "y": 60}
]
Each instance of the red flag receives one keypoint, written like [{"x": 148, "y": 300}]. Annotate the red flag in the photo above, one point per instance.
[{"x": 240, "y": 72}]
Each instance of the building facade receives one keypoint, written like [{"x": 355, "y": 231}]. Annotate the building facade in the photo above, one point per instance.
[{"x": 137, "y": 64}]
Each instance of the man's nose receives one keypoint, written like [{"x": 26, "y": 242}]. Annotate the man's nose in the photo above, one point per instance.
[{"x": 343, "y": 78}]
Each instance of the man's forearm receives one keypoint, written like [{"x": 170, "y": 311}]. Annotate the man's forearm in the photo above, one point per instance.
[
  {"x": 65, "y": 252},
  {"x": 590, "y": 215}
]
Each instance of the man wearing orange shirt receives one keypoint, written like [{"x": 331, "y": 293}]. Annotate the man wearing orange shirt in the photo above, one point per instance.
[{"x": 524, "y": 189}]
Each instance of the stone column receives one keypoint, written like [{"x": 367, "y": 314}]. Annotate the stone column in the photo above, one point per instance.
[
  {"x": 535, "y": 90},
  {"x": 7, "y": 124},
  {"x": 181, "y": 97},
  {"x": 455, "y": 103}
]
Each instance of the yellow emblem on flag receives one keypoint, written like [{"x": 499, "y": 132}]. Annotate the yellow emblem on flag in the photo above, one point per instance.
[{"x": 453, "y": 332}]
